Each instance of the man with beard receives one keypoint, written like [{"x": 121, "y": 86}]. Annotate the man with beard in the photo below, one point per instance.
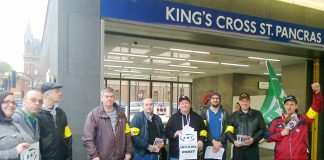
[{"x": 216, "y": 119}]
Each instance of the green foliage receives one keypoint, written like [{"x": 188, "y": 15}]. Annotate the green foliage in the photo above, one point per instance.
[{"x": 5, "y": 67}]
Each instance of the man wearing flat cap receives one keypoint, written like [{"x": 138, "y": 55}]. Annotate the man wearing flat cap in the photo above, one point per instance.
[
  {"x": 216, "y": 119},
  {"x": 185, "y": 117},
  {"x": 245, "y": 130},
  {"x": 55, "y": 134},
  {"x": 290, "y": 132}
]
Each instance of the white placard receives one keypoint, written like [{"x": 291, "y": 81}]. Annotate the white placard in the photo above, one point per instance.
[
  {"x": 242, "y": 138},
  {"x": 293, "y": 122},
  {"x": 188, "y": 145},
  {"x": 31, "y": 153},
  {"x": 157, "y": 141},
  {"x": 211, "y": 154}
]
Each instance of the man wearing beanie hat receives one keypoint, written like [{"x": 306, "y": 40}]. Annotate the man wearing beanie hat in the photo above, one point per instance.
[
  {"x": 245, "y": 130},
  {"x": 290, "y": 132},
  {"x": 55, "y": 134},
  {"x": 216, "y": 119}
]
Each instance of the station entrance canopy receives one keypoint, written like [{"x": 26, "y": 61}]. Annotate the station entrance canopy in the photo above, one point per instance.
[{"x": 166, "y": 13}]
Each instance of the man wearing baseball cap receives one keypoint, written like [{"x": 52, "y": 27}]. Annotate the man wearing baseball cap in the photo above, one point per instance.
[
  {"x": 55, "y": 134},
  {"x": 245, "y": 130},
  {"x": 184, "y": 117},
  {"x": 290, "y": 132}
]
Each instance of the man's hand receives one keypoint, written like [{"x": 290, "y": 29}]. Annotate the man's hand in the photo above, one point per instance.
[
  {"x": 285, "y": 132},
  {"x": 127, "y": 157},
  {"x": 161, "y": 145},
  {"x": 200, "y": 144},
  {"x": 216, "y": 145},
  {"x": 237, "y": 143},
  {"x": 97, "y": 158},
  {"x": 177, "y": 133},
  {"x": 316, "y": 87},
  {"x": 249, "y": 141},
  {"x": 151, "y": 148},
  {"x": 21, "y": 147}
]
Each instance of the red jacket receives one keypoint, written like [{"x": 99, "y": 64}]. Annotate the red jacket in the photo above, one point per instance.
[{"x": 294, "y": 146}]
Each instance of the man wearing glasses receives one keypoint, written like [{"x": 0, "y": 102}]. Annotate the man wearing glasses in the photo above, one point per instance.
[{"x": 26, "y": 116}]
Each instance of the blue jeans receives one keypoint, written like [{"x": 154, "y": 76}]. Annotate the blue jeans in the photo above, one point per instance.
[
  {"x": 146, "y": 156},
  {"x": 170, "y": 158}
]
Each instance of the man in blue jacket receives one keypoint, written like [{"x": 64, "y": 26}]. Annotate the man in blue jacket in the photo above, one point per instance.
[{"x": 147, "y": 133}]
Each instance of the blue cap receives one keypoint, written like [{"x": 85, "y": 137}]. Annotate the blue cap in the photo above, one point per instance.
[
  {"x": 290, "y": 98},
  {"x": 244, "y": 95},
  {"x": 49, "y": 85},
  {"x": 184, "y": 98}
]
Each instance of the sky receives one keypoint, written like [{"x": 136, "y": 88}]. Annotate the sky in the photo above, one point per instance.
[{"x": 14, "y": 15}]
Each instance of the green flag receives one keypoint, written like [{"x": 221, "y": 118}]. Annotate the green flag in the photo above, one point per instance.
[{"x": 273, "y": 105}]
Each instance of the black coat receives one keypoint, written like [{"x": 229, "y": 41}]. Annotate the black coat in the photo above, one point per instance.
[
  {"x": 250, "y": 124},
  {"x": 175, "y": 123},
  {"x": 53, "y": 143}
]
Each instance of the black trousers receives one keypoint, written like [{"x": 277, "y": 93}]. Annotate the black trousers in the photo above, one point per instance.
[{"x": 246, "y": 153}]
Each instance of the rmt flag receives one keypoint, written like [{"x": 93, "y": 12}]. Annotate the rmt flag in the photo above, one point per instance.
[{"x": 273, "y": 105}]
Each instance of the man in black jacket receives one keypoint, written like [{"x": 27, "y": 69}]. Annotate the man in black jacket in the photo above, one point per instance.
[
  {"x": 185, "y": 117},
  {"x": 55, "y": 134},
  {"x": 245, "y": 130}
]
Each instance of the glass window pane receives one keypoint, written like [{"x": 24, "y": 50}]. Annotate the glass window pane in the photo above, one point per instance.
[
  {"x": 179, "y": 89},
  {"x": 162, "y": 99},
  {"x": 138, "y": 91},
  {"x": 121, "y": 93}
]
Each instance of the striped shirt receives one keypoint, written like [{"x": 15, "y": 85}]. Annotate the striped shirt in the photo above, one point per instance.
[{"x": 113, "y": 118}]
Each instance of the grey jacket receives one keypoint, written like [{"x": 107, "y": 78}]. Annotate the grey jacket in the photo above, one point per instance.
[
  {"x": 20, "y": 118},
  {"x": 10, "y": 136}
]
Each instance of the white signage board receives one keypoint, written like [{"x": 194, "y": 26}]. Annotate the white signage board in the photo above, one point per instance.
[
  {"x": 31, "y": 153},
  {"x": 188, "y": 145}
]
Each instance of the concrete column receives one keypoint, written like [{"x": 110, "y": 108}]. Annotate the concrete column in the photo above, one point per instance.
[
  {"x": 79, "y": 61},
  {"x": 294, "y": 82}
]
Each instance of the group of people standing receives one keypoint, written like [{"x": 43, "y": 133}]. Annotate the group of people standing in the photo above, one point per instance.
[
  {"x": 107, "y": 135},
  {"x": 40, "y": 120}
]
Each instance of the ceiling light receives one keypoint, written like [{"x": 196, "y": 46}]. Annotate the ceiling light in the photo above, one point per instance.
[
  {"x": 126, "y": 54},
  {"x": 159, "y": 61},
  {"x": 181, "y": 66},
  {"x": 112, "y": 74},
  {"x": 199, "y": 61},
  {"x": 258, "y": 58},
  {"x": 163, "y": 72},
  {"x": 168, "y": 58},
  {"x": 139, "y": 68},
  {"x": 168, "y": 70},
  {"x": 163, "y": 77},
  {"x": 120, "y": 61},
  {"x": 139, "y": 75},
  {"x": 135, "y": 77},
  {"x": 111, "y": 66},
  {"x": 278, "y": 74},
  {"x": 233, "y": 64},
  {"x": 117, "y": 74},
  {"x": 159, "y": 47},
  {"x": 127, "y": 71},
  {"x": 318, "y": 5},
  {"x": 191, "y": 51},
  {"x": 194, "y": 72}
]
